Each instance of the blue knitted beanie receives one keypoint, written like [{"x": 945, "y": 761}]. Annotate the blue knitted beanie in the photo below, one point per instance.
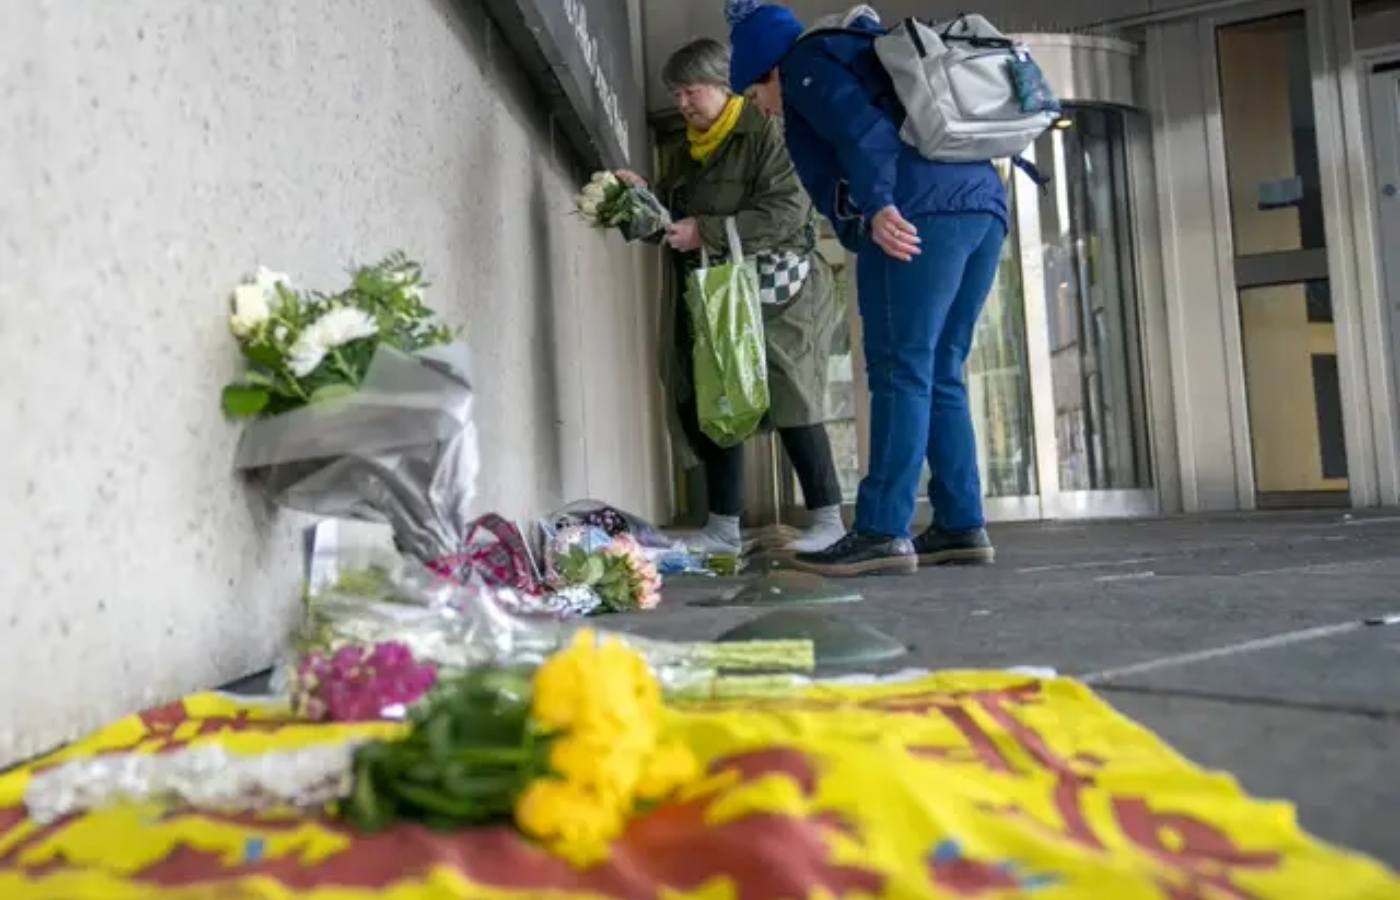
[{"x": 760, "y": 35}]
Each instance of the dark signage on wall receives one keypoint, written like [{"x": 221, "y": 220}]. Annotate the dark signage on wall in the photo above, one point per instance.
[{"x": 581, "y": 53}]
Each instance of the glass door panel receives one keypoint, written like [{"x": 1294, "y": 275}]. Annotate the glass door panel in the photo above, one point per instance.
[
  {"x": 1271, "y": 136},
  {"x": 1100, "y": 408},
  {"x": 1281, "y": 275},
  {"x": 999, "y": 385},
  {"x": 1295, "y": 409}
]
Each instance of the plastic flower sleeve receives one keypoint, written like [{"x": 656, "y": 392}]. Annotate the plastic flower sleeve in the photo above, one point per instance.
[
  {"x": 646, "y": 216},
  {"x": 457, "y": 627},
  {"x": 402, "y": 449}
]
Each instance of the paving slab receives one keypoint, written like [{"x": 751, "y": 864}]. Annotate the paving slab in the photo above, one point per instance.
[
  {"x": 1357, "y": 671},
  {"x": 1339, "y": 769},
  {"x": 1316, "y": 722}
]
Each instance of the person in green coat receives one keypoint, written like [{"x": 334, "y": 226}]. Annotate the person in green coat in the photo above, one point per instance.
[{"x": 734, "y": 163}]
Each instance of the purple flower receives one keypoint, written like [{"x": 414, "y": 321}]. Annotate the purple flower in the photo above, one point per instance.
[
  {"x": 346, "y": 661},
  {"x": 358, "y": 684},
  {"x": 391, "y": 655}
]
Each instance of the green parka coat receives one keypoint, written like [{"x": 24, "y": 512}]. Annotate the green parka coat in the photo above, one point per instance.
[{"x": 751, "y": 178}]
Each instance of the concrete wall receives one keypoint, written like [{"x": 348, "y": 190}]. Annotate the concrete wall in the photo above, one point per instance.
[{"x": 157, "y": 150}]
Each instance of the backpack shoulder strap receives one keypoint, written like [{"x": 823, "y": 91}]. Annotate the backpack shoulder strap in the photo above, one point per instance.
[{"x": 1041, "y": 180}]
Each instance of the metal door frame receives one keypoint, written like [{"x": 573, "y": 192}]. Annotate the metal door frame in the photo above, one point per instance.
[
  {"x": 1389, "y": 279},
  {"x": 1054, "y": 502}
]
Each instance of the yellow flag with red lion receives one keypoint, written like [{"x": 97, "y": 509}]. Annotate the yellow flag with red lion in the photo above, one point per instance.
[{"x": 958, "y": 785}]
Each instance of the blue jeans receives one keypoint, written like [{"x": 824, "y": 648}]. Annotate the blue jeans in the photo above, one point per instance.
[{"x": 919, "y": 318}]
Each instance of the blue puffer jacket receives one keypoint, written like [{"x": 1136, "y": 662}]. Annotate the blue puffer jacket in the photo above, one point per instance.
[{"x": 842, "y": 119}]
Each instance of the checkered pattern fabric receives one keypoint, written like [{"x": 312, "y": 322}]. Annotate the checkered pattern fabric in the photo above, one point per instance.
[{"x": 781, "y": 276}]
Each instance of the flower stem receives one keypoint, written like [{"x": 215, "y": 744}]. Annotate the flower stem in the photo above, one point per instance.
[
  {"x": 294, "y": 384},
  {"x": 493, "y": 755},
  {"x": 344, "y": 368}
]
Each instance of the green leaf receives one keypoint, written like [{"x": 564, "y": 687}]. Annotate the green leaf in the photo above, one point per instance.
[
  {"x": 332, "y": 392},
  {"x": 243, "y": 401},
  {"x": 263, "y": 355}
]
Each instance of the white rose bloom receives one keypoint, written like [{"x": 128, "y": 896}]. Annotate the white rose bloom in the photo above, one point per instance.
[
  {"x": 595, "y": 192},
  {"x": 589, "y": 207},
  {"x": 336, "y": 328},
  {"x": 306, "y": 354},
  {"x": 342, "y": 325},
  {"x": 250, "y": 310},
  {"x": 607, "y": 180}
]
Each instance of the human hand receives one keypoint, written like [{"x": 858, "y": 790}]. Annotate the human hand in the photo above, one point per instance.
[
  {"x": 630, "y": 178},
  {"x": 684, "y": 236},
  {"x": 895, "y": 235}
]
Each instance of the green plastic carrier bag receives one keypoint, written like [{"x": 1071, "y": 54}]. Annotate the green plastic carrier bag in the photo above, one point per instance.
[{"x": 731, "y": 366}]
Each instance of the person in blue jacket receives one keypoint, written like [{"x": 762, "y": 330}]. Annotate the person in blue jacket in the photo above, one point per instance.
[{"x": 928, "y": 239}]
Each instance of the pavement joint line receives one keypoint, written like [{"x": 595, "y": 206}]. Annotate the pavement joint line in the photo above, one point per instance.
[
  {"x": 1252, "y": 646},
  {"x": 1319, "y": 568},
  {"x": 1348, "y": 709},
  {"x": 1100, "y": 564},
  {"x": 1362, "y": 523},
  {"x": 1131, "y": 576}
]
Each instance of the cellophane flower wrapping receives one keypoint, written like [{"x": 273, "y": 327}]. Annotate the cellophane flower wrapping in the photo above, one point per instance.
[
  {"x": 671, "y": 557},
  {"x": 605, "y": 202},
  {"x": 401, "y": 449},
  {"x": 646, "y": 217},
  {"x": 456, "y": 627}
]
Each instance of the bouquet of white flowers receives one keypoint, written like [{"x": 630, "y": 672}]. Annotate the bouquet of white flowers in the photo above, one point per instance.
[
  {"x": 606, "y": 202},
  {"x": 360, "y": 402}
]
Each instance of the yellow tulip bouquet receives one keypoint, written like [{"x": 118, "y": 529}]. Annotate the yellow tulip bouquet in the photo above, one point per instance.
[{"x": 568, "y": 753}]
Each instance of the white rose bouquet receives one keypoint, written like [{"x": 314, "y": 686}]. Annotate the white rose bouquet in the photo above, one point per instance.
[
  {"x": 304, "y": 347},
  {"x": 360, "y": 404},
  {"x": 605, "y": 202}
]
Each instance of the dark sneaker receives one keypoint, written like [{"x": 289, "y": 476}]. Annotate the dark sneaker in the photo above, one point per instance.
[
  {"x": 861, "y": 554},
  {"x": 940, "y": 548}
]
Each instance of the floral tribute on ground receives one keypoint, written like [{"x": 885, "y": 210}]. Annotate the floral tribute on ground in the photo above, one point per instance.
[
  {"x": 568, "y": 754},
  {"x": 357, "y": 404}
]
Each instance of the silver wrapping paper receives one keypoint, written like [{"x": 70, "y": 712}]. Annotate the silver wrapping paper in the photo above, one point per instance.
[{"x": 402, "y": 450}]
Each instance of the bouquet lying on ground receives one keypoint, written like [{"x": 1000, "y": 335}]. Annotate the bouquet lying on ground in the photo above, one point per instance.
[
  {"x": 431, "y": 621},
  {"x": 359, "y": 402},
  {"x": 567, "y": 754},
  {"x": 616, "y": 569},
  {"x": 606, "y": 202},
  {"x": 567, "y": 751}
]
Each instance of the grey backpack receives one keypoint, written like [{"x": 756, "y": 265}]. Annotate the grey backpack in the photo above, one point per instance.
[{"x": 969, "y": 92}]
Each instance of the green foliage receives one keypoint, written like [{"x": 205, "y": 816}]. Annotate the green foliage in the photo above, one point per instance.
[{"x": 471, "y": 750}]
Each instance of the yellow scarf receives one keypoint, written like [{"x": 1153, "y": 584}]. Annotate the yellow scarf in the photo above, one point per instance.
[{"x": 703, "y": 144}]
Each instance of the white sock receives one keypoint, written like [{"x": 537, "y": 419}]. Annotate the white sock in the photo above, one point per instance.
[
  {"x": 721, "y": 534},
  {"x": 826, "y": 529}
]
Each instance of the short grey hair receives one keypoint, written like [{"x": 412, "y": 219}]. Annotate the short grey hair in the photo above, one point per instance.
[{"x": 704, "y": 61}]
